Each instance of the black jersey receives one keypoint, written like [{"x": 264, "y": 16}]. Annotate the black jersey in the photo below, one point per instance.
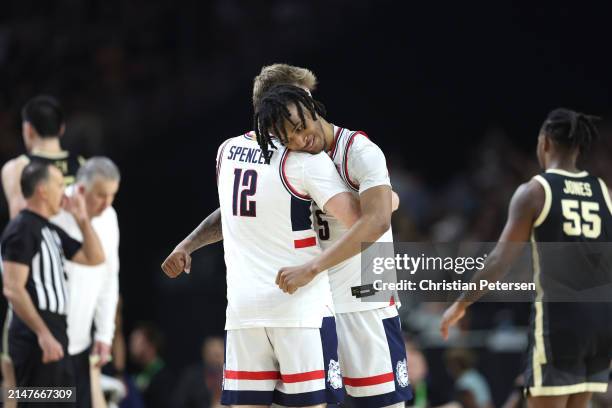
[
  {"x": 577, "y": 208},
  {"x": 571, "y": 323},
  {"x": 572, "y": 231},
  {"x": 68, "y": 163},
  {"x": 34, "y": 241}
]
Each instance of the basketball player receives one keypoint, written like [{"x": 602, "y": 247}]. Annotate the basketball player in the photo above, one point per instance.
[
  {"x": 42, "y": 127},
  {"x": 371, "y": 387},
  {"x": 570, "y": 343},
  {"x": 371, "y": 346},
  {"x": 279, "y": 348}
]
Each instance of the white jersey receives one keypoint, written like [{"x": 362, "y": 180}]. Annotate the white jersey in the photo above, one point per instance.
[
  {"x": 362, "y": 165},
  {"x": 266, "y": 221}
]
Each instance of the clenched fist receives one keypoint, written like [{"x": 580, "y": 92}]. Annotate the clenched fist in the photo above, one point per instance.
[
  {"x": 177, "y": 262},
  {"x": 289, "y": 279}
]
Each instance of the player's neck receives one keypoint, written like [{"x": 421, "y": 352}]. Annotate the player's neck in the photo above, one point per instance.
[
  {"x": 567, "y": 163},
  {"x": 328, "y": 133},
  {"x": 46, "y": 145}
]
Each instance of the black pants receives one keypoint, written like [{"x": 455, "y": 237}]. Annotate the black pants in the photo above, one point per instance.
[
  {"x": 80, "y": 363},
  {"x": 31, "y": 372},
  {"x": 26, "y": 355}
]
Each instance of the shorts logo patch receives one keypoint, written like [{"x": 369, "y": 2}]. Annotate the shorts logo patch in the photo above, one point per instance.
[
  {"x": 334, "y": 377},
  {"x": 401, "y": 373}
]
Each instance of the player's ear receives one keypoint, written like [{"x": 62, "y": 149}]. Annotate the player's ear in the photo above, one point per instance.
[
  {"x": 62, "y": 129},
  {"x": 42, "y": 190},
  {"x": 81, "y": 188},
  {"x": 546, "y": 143},
  {"x": 27, "y": 130}
]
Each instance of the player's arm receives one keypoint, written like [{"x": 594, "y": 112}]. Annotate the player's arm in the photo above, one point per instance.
[
  {"x": 15, "y": 277},
  {"x": 11, "y": 176},
  {"x": 366, "y": 168},
  {"x": 375, "y": 220},
  {"x": 90, "y": 252},
  {"x": 395, "y": 201},
  {"x": 369, "y": 227},
  {"x": 208, "y": 232},
  {"x": 320, "y": 180},
  {"x": 525, "y": 206}
]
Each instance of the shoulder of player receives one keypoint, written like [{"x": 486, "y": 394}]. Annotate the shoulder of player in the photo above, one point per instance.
[
  {"x": 357, "y": 139},
  {"x": 604, "y": 185},
  {"x": 236, "y": 139},
  {"x": 13, "y": 167},
  {"x": 358, "y": 143},
  {"x": 529, "y": 196},
  {"x": 304, "y": 158}
]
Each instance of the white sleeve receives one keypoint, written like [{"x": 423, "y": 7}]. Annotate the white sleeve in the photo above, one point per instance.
[
  {"x": 220, "y": 152},
  {"x": 106, "y": 306},
  {"x": 366, "y": 165},
  {"x": 314, "y": 175}
]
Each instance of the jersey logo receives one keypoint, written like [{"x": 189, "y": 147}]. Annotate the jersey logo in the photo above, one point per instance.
[
  {"x": 401, "y": 373},
  {"x": 334, "y": 378}
]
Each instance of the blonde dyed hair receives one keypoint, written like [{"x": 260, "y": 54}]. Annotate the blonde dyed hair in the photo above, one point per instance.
[{"x": 282, "y": 74}]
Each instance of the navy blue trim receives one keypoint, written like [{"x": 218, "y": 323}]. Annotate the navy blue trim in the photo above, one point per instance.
[
  {"x": 281, "y": 173},
  {"x": 381, "y": 400},
  {"x": 329, "y": 344},
  {"x": 338, "y": 143},
  {"x": 397, "y": 350},
  {"x": 303, "y": 399},
  {"x": 229, "y": 397},
  {"x": 343, "y": 163},
  {"x": 300, "y": 214}
]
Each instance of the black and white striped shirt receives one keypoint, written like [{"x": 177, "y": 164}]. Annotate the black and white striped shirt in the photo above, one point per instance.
[{"x": 32, "y": 240}]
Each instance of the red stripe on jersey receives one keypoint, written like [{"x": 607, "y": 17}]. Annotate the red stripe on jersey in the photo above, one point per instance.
[
  {"x": 346, "y": 154},
  {"x": 332, "y": 150},
  {"x": 365, "y": 381},
  {"x": 392, "y": 301},
  {"x": 305, "y": 243},
  {"x": 301, "y": 377},
  {"x": 252, "y": 375},
  {"x": 286, "y": 181}
]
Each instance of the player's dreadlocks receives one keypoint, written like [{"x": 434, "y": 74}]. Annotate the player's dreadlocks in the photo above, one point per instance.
[
  {"x": 272, "y": 110},
  {"x": 570, "y": 129}
]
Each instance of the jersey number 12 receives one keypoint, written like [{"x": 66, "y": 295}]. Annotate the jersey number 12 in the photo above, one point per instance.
[{"x": 241, "y": 204}]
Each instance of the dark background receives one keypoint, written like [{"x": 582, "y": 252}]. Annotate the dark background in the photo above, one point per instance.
[{"x": 454, "y": 94}]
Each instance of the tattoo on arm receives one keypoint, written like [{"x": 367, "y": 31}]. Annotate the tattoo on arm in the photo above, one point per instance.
[{"x": 208, "y": 232}]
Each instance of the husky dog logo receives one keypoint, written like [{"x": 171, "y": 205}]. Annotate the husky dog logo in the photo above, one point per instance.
[
  {"x": 401, "y": 373},
  {"x": 334, "y": 378}
]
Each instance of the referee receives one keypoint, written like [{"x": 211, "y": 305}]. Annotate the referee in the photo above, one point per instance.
[{"x": 33, "y": 255}]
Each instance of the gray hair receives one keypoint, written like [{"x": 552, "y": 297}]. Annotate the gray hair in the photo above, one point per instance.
[{"x": 99, "y": 166}]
